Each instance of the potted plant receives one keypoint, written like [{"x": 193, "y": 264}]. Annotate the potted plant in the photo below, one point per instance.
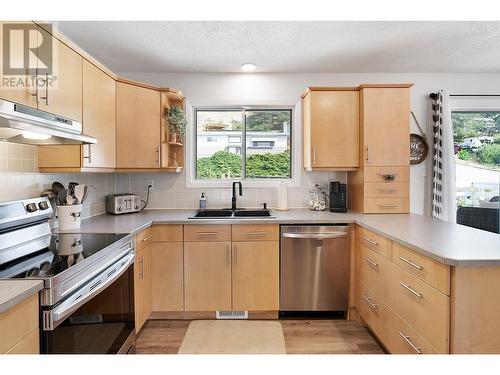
[{"x": 176, "y": 124}]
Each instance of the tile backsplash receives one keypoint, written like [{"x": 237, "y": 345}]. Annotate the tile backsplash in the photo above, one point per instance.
[
  {"x": 171, "y": 192},
  {"x": 19, "y": 178}
]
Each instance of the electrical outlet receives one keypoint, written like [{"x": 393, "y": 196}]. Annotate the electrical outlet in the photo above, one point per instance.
[{"x": 152, "y": 184}]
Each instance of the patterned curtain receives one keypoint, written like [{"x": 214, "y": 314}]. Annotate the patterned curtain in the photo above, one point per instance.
[{"x": 443, "y": 167}]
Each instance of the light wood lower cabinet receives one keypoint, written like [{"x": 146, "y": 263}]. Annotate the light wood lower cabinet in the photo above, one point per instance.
[
  {"x": 142, "y": 286},
  {"x": 207, "y": 276},
  {"x": 255, "y": 275},
  {"x": 19, "y": 328},
  {"x": 168, "y": 276}
]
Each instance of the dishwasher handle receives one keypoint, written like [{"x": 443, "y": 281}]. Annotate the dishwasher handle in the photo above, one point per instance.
[{"x": 315, "y": 236}]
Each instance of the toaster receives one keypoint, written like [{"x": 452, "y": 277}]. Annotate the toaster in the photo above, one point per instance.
[{"x": 123, "y": 203}]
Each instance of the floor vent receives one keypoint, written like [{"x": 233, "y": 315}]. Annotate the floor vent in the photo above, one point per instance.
[{"x": 225, "y": 314}]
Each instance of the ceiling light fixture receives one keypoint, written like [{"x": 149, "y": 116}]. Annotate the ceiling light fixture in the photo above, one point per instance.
[{"x": 248, "y": 67}]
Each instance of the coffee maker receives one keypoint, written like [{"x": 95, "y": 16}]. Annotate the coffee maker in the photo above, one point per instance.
[{"x": 338, "y": 196}]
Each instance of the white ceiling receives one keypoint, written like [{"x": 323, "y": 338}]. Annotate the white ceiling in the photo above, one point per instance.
[{"x": 341, "y": 47}]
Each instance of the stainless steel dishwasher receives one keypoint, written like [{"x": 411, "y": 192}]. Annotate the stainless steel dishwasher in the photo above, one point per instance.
[{"x": 314, "y": 268}]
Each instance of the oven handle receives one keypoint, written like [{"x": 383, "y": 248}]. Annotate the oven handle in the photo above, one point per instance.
[{"x": 53, "y": 317}]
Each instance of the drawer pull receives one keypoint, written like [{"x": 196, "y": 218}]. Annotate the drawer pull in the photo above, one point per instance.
[
  {"x": 208, "y": 233},
  {"x": 261, "y": 233},
  {"x": 147, "y": 238},
  {"x": 410, "y": 289},
  {"x": 370, "y": 241},
  {"x": 369, "y": 301},
  {"x": 417, "y": 349},
  {"x": 387, "y": 190},
  {"x": 388, "y": 205},
  {"x": 371, "y": 262},
  {"x": 414, "y": 265}
]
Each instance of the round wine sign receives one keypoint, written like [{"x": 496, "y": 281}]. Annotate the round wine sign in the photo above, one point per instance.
[{"x": 418, "y": 149}]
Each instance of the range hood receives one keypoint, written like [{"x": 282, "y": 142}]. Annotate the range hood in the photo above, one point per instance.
[{"x": 22, "y": 124}]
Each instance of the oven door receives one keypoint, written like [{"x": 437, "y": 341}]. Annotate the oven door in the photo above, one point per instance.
[{"x": 98, "y": 318}]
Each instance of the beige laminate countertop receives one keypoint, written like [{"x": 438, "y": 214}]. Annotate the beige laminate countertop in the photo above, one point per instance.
[
  {"x": 448, "y": 243},
  {"x": 13, "y": 292}
]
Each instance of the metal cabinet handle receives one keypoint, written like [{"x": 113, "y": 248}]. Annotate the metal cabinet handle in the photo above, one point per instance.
[
  {"x": 227, "y": 255},
  {"x": 417, "y": 349},
  {"x": 369, "y": 301},
  {"x": 410, "y": 289},
  {"x": 371, "y": 262},
  {"x": 314, "y": 154},
  {"x": 141, "y": 273},
  {"x": 373, "y": 242},
  {"x": 387, "y": 190},
  {"x": 35, "y": 94},
  {"x": 147, "y": 238},
  {"x": 46, "y": 97},
  {"x": 414, "y": 265},
  {"x": 207, "y": 233},
  {"x": 388, "y": 205},
  {"x": 367, "y": 157},
  {"x": 158, "y": 156},
  {"x": 235, "y": 255},
  {"x": 89, "y": 155},
  {"x": 261, "y": 233}
]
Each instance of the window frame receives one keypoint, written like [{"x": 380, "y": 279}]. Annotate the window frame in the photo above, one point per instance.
[{"x": 192, "y": 151}]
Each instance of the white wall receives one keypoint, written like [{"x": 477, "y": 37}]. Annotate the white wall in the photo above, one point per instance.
[{"x": 212, "y": 89}]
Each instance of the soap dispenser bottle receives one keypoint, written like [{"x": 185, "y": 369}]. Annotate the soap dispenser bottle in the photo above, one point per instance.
[{"x": 203, "y": 201}]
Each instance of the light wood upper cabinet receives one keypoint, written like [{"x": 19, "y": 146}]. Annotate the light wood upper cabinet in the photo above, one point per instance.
[
  {"x": 207, "y": 276},
  {"x": 331, "y": 129},
  {"x": 386, "y": 126},
  {"x": 99, "y": 117},
  {"x": 64, "y": 97},
  {"x": 138, "y": 133},
  {"x": 143, "y": 299},
  {"x": 21, "y": 95},
  {"x": 255, "y": 275}
]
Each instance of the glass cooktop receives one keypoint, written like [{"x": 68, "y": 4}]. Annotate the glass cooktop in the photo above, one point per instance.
[{"x": 51, "y": 255}]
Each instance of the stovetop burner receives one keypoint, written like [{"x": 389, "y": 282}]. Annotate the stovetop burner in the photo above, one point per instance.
[{"x": 56, "y": 253}]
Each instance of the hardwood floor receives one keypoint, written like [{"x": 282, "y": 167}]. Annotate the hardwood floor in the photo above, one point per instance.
[{"x": 301, "y": 337}]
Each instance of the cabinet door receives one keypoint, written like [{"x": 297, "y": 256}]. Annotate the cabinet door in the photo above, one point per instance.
[
  {"x": 18, "y": 94},
  {"x": 64, "y": 97},
  {"x": 386, "y": 126},
  {"x": 334, "y": 129},
  {"x": 99, "y": 101},
  {"x": 255, "y": 275},
  {"x": 168, "y": 276},
  {"x": 137, "y": 127},
  {"x": 207, "y": 276}
]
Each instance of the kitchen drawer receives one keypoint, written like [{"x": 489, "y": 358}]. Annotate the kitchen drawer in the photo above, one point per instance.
[
  {"x": 387, "y": 205},
  {"x": 167, "y": 233},
  {"x": 432, "y": 272},
  {"x": 143, "y": 239},
  {"x": 386, "y": 189},
  {"x": 426, "y": 309},
  {"x": 374, "y": 241},
  {"x": 401, "y": 338},
  {"x": 29, "y": 345},
  {"x": 374, "y": 271},
  {"x": 207, "y": 233},
  {"x": 379, "y": 174},
  {"x": 18, "y": 322},
  {"x": 255, "y": 232},
  {"x": 374, "y": 312}
]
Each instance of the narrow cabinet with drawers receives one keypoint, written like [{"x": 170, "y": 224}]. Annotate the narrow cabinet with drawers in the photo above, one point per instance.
[
  {"x": 402, "y": 296},
  {"x": 142, "y": 278}
]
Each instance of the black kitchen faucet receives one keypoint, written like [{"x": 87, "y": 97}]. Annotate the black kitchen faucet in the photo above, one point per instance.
[{"x": 233, "y": 200}]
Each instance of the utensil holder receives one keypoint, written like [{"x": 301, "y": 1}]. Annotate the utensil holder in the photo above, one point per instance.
[{"x": 69, "y": 216}]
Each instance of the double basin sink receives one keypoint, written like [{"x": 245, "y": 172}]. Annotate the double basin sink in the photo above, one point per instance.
[{"x": 227, "y": 213}]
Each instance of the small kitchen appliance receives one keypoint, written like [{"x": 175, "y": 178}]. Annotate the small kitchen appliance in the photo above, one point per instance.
[
  {"x": 117, "y": 204},
  {"x": 338, "y": 197}
]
